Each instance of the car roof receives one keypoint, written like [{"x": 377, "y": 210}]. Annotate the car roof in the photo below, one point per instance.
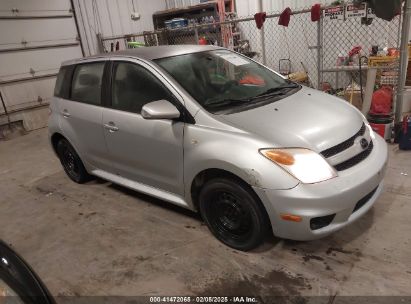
[{"x": 150, "y": 53}]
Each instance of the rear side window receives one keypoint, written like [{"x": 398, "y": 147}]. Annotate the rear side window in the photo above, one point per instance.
[
  {"x": 134, "y": 86},
  {"x": 87, "y": 80},
  {"x": 61, "y": 78}
]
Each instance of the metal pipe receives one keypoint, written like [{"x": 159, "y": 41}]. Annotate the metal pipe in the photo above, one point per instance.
[
  {"x": 259, "y": 4},
  {"x": 84, "y": 27},
  {"x": 77, "y": 26},
  {"x": 100, "y": 44},
  {"x": 296, "y": 12},
  {"x": 35, "y": 17},
  {"x": 5, "y": 110},
  {"x": 196, "y": 36},
  {"x": 38, "y": 47},
  {"x": 4, "y": 82},
  {"x": 361, "y": 84},
  {"x": 403, "y": 60},
  {"x": 319, "y": 53}
]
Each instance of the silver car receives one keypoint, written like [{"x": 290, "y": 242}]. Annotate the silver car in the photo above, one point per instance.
[{"x": 211, "y": 130}]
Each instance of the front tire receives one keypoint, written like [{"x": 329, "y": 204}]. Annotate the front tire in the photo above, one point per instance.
[
  {"x": 233, "y": 213},
  {"x": 71, "y": 162}
]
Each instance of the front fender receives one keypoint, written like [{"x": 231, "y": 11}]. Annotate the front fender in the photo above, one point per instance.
[{"x": 235, "y": 152}]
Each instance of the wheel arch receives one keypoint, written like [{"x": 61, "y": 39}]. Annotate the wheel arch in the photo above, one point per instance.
[
  {"x": 208, "y": 174},
  {"x": 55, "y": 138}
]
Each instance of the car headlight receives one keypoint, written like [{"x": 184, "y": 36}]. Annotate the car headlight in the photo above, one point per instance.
[{"x": 305, "y": 165}]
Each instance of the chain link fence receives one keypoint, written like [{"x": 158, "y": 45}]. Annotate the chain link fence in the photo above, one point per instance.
[
  {"x": 315, "y": 53},
  {"x": 339, "y": 37}
]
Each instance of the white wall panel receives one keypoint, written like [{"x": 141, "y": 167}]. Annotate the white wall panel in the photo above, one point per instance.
[
  {"x": 20, "y": 63},
  {"x": 180, "y": 3},
  {"x": 32, "y": 93},
  {"x": 35, "y": 37},
  {"x": 248, "y": 7},
  {"x": 36, "y": 32},
  {"x": 33, "y": 6}
]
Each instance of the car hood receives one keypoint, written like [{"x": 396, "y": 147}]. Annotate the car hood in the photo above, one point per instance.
[{"x": 308, "y": 119}]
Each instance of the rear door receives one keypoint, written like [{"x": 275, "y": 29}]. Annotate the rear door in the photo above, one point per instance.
[
  {"x": 81, "y": 114},
  {"x": 146, "y": 151}
]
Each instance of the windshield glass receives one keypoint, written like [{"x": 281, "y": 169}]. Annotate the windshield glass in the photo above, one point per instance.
[{"x": 221, "y": 79}]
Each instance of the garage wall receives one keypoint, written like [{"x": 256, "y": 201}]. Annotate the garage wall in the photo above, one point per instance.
[
  {"x": 35, "y": 36},
  {"x": 113, "y": 17},
  {"x": 246, "y": 7}
]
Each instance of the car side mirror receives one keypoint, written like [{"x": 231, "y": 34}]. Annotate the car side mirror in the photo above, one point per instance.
[{"x": 160, "y": 109}]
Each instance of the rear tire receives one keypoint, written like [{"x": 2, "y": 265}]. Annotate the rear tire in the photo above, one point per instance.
[
  {"x": 71, "y": 162},
  {"x": 233, "y": 213}
]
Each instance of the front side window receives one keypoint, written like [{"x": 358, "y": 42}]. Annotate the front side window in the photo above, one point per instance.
[
  {"x": 134, "y": 86},
  {"x": 222, "y": 80},
  {"x": 86, "y": 86}
]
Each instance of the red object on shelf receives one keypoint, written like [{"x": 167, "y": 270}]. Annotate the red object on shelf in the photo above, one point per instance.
[
  {"x": 356, "y": 50},
  {"x": 381, "y": 101},
  {"x": 202, "y": 41},
  {"x": 393, "y": 52}
]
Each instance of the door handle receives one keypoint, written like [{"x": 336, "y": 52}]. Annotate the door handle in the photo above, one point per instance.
[
  {"x": 111, "y": 127},
  {"x": 65, "y": 113}
]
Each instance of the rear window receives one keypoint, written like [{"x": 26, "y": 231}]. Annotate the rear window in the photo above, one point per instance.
[
  {"x": 59, "y": 87},
  {"x": 87, "y": 80}
]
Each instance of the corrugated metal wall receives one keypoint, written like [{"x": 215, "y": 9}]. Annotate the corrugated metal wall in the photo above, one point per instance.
[
  {"x": 248, "y": 7},
  {"x": 180, "y": 3},
  {"x": 113, "y": 17}
]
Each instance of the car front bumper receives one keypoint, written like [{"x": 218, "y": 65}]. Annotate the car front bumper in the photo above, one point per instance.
[{"x": 339, "y": 196}]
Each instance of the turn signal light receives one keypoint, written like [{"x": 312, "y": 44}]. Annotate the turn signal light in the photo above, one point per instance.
[
  {"x": 280, "y": 157},
  {"x": 291, "y": 217}
]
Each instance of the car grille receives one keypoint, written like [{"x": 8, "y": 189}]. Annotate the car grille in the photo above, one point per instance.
[
  {"x": 344, "y": 145},
  {"x": 364, "y": 200},
  {"x": 355, "y": 160}
]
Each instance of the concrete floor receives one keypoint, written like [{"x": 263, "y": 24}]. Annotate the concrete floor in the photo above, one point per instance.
[{"x": 102, "y": 239}]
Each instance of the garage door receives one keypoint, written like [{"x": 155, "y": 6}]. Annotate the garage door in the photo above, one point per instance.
[{"x": 35, "y": 37}]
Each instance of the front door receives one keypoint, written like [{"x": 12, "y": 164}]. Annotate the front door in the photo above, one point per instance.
[{"x": 146, "y": 151}]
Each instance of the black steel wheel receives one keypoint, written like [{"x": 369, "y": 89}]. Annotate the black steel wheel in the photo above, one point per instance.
[
  {"x": 71, "y": 162},
  {"x": 233, "y": 213}
]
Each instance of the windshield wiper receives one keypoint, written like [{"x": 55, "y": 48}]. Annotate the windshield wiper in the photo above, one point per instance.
[
  {"x": 228, "y": 102},
  {"x": 278, "y": 90}
]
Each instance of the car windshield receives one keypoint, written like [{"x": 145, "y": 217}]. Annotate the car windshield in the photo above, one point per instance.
[{"x": 221, "y": 80}]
